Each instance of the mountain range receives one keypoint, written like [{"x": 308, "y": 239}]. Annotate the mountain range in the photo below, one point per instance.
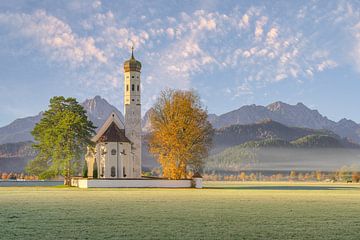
[
  {"x": 98, "y": 109},
  {"x": 267, "y": 129},
  {"x": 290, "y": 115}
]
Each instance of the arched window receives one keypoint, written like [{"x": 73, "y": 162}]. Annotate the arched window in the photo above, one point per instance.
[
  {"x": 138, "y": 88},
  {"x": 113, "y": 152},
  {"x": 133, "y": 87},
  {"x": 127, "y": 87},
  {"x": 113, "y": 174}
]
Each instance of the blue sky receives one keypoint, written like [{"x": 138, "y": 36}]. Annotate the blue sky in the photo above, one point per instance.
[{"x": 232, "y": 52}]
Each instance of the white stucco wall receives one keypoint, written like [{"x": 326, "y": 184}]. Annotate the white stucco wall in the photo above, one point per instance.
[{"x": 134, "y": 183}]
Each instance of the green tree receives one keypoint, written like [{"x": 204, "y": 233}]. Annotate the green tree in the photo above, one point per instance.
[
  {"x": 61, "y": 139},
  {"x": 181, "y": 134},
  {"x": 95, "y": 170}
]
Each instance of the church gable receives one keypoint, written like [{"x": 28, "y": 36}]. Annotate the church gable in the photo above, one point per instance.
[
  {"x": 113, "y": 119},
  {"x": 113, "y": 134}
]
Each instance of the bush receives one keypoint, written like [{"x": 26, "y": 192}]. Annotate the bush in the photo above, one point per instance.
[
  {"x": 95, "y": 171},
  {"x": 85, "y": 170}
]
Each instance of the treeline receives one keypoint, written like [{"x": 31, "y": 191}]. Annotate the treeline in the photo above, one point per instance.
[
  {"x": 17, "y": 176},
  {"x": 345, "y": 174}
]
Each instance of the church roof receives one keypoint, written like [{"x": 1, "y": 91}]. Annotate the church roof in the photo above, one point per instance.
[
  {"x": 113, "y": 134},
  {"x": 132, "y": 64},
  {"x": 112, "y": 119}
]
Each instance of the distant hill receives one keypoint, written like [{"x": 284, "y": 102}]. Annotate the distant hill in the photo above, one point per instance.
[
  {"x": 266, "y": 129},
  {"x": 97, "y": 109},
  {"x": 19, "y": 130},
  {"x": 15, "y": 156},
  {"x": 309, "y": 153},
  {"x": 321, "y": 141}
]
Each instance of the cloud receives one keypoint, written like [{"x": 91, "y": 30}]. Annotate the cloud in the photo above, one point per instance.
[
  {"x": 326, "y": 65},
  {"x": 243, "y": 89},
  {"x": 272, "y": 35},
  {"x": 244, "y": 22},
  {"x": 259, "y": 29},
  {"x": 54, "y": 37},
  {"x": 252, "y": 45}
]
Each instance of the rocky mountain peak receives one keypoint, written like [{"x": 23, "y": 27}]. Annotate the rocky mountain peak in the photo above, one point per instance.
[
  {"x": 98, "y": 110},
  {"x": 276, "y": 106}
]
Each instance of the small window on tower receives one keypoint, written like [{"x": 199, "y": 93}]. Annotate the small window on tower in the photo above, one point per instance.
[
  {"x": 138, "y": 88},
  {"x": 132, "y": 77},
  {"x": 133, "y": 100},
  {"x": 133, "y": 87},
  {"x": 127, "y": 87}
]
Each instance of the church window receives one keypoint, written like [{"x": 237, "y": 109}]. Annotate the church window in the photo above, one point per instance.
[
  {"x": 133, "y": 100},
  {"x": 113, "y": 152},
  {"x": 127, "y": 87},
  {"x": 133, "y": 76},
  {"x": 133, "y": 87},
  {"x": 138, "y": 88},
  {"x": 124, "y": 174},
  {"x": 113, "y": 172}
]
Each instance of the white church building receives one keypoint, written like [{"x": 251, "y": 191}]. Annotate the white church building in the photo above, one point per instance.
[
  {"x": 117, "y": 151},
  {"x": 116, "y": 156}
]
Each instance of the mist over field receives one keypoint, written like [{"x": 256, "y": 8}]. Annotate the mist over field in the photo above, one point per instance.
[{"x": 285, "y": 159}]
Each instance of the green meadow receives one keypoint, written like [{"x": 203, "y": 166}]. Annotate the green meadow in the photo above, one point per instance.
[{"x": 220, "y": 211}]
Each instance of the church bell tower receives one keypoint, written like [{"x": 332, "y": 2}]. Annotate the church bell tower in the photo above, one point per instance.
[{"x": 132, "y": 109}]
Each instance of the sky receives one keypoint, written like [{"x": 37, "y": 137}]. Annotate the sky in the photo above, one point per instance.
[{"x": 233, "y": 53}]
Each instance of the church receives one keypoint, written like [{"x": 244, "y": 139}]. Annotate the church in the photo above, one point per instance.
[{"x": 117, "y": 151}]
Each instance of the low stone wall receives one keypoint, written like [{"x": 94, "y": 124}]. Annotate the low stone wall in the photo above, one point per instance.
[
  {"x": 133, "y": 183},
  {"x": 10, "y": 183}
]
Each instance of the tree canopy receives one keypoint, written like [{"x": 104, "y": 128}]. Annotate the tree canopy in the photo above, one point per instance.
[
  {"x": 181, "y": 135},
  {"x": 61, "y": 137}
]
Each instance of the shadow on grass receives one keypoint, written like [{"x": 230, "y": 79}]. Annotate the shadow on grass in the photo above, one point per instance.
[{"x": 290, "y": 188}]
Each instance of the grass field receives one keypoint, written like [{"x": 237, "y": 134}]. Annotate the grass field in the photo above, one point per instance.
[{"x": 221, "y": 211}]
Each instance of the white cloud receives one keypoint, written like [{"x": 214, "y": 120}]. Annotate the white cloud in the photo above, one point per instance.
[
  {"x": 244, "y": 22},
  {"x": 243, "y": 89},
  {"x": 259, "y": 29},
  {"x": 280, "y": 76},
  {"x": 272, "y": 35},
  {"x": 55, "y": 38},
  {"x": 96, "y": 4},
  {"x": 170, "y": 32},
  {"x": 250, "y": 44},
  {"x": 327, "y": 64}
]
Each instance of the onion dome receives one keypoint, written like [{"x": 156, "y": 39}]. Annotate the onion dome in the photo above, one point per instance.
[{"x": 132, "y": 64}]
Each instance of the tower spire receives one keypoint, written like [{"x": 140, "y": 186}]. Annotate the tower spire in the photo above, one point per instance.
[{"x": 132, "y": 52}]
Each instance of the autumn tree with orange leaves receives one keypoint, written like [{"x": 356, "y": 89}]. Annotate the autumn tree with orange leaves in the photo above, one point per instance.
[{"x": 180, "y": 135}]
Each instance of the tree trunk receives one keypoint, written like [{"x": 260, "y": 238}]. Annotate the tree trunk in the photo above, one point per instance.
[{"x": 68, "y": 177}]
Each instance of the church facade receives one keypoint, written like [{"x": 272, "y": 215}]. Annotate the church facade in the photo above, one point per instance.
[{"x": 117, "y": 151}]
